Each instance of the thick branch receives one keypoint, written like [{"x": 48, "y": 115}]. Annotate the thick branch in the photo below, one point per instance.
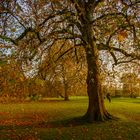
[
  {"x": 126, "y": 61},
  {"x": 125, "y": 53},
  {"x": 133, "y": 55},
  {"x": 108, "y": 15}
]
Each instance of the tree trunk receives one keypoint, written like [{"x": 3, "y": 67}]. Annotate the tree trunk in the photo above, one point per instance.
[
  {"x": 96, "y": 109},
  {"x": 65, "y": 84},
  {"x": 66, "y": 98}
]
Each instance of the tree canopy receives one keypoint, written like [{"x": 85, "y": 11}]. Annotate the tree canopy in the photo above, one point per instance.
[{"x": 95, "y": 26}]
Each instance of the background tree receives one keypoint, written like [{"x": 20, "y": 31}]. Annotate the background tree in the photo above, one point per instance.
[
  {"x": 64, "y": 74},
  {"x": 12, "y": 80},
  {"x": 131, "y": 84}
]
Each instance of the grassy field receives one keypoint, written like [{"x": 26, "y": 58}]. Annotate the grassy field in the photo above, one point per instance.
[{"x": 52, "y": 120}]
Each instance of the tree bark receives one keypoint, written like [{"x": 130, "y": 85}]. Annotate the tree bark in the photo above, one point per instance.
[
  {"x": 65, "y": 84},
  {"x": 96, "y": 109}
]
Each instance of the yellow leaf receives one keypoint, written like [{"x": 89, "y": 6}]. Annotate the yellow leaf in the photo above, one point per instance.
[
  {"x": 21, "y": 79},
  {"x": 122, "y": 35},
  {"x": 13, "y": 30},
  {"x": 120, "y": 38}
]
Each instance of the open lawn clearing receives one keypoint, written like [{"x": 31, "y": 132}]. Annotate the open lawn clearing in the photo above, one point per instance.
[{"x": 53, "y": 120}]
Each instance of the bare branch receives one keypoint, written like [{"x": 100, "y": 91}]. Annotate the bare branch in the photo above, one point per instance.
[
  {"x": 108, "y": 15},
  {"x": 126, "y": 61},
  {"x": 125, "y": 53}
]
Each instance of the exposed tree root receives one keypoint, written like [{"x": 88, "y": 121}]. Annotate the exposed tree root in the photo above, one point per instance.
[{"x": 88, "y": 117}]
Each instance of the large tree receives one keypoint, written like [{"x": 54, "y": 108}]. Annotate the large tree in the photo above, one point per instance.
[{"x": 94, "y": 25}]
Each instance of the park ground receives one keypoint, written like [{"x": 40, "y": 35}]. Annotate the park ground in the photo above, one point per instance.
[{"x": 53, "y": 120}]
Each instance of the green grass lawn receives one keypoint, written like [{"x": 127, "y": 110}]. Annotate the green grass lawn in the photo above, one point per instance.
[{"x": 52, "y": 120}]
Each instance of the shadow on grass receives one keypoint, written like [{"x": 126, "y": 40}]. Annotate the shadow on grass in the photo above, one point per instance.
[{"x": 71, "y": 122}]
